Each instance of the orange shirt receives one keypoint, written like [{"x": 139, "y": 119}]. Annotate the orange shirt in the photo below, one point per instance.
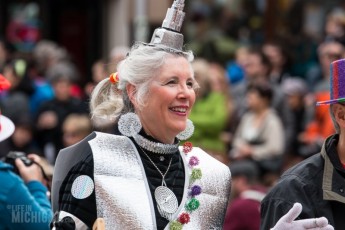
[{"x": 322, "y": 125}]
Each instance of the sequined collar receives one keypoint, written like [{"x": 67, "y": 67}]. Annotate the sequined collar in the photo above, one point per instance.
[{"x": 144, "y": 142}]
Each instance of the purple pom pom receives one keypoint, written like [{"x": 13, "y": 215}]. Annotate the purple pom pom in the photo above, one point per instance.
[
  {"x": 195, "y": 190},
  {"x": 193, "y": 161}
]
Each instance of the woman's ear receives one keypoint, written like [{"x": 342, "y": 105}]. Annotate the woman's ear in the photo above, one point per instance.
[{"x": 131, "y": 90}]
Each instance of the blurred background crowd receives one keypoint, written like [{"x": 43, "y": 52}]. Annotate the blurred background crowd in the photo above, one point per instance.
[{"x": 261, "y": 65}]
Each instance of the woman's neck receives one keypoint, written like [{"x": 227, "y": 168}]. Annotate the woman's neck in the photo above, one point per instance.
[
  {"x": 260, "y": 116},
  {"x": 161, "y": 138},
  {"x": 261, "y": 111},
  {"x": 276, "y": 71}
]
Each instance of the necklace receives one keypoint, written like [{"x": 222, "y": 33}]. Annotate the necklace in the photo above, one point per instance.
[
  {"x": 165, "y": 198},
  {"x": 155, "y": 147}
]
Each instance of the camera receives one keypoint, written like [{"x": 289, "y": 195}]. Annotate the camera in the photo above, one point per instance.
[{"x": 13, "y": 155}]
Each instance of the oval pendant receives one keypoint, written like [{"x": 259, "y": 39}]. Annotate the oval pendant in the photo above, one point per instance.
[{"x": 166, "y": 199}]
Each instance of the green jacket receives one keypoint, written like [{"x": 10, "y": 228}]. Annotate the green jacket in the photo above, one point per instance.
[{"x": 209, "y": 116}]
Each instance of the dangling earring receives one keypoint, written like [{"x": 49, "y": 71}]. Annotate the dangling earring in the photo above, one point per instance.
[
  {"x": 129, "y": 124},
  {"x": 188, "y": 132}
]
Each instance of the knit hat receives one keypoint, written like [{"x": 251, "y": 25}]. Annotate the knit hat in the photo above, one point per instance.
[
  {"x": 294, "y": 86},
  {"x": 337, "y": 83}
]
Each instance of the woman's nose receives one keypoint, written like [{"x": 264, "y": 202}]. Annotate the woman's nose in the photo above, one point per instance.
[{"x": 185, "y": 92}]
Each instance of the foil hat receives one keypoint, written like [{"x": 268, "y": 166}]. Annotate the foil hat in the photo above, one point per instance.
[{"x": 169, "y": 34}]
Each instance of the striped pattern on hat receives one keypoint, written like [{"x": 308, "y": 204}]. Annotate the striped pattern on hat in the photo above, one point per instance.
[{"x": 337, "y": 83}]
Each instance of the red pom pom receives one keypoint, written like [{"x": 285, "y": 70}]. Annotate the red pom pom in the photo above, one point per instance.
[
  {"x": 184, "y": 218},
  {"x": 187, "y": 147},
  {"x": 114, "y": 78}
]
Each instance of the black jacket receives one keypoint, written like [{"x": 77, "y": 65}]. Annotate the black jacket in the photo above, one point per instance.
[{"x": 317, "y": 183}]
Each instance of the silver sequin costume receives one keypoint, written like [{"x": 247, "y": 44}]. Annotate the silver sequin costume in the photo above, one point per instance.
[{"x": 123, "y": 197}]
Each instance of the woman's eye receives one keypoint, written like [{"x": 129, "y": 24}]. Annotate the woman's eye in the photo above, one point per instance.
[
  {"x": 171, "y": 82},
  {"x": 190, "y": 84}
]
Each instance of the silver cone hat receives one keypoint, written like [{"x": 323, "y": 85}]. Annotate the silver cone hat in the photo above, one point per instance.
[{"x": 169, "y": 34}]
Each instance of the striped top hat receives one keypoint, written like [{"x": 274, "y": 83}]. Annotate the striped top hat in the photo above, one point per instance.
[{"x": 337, "y": 83}]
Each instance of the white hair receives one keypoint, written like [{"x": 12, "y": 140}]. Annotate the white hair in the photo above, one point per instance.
[
  {"x": 139, "y": 68},
  {"x": 334, "y": 120}
]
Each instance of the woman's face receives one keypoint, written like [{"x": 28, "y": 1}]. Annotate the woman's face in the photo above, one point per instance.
[
  {"x": 274, "y": 54},
  {"x": 62, "y": 89},
  {"x": 169, "y": 101},
  {"x": 254, "y": 67},
  {"x": 255, "y": 101},
  {"x": 11, "y": 76}
]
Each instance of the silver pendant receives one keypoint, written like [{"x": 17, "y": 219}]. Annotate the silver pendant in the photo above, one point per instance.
[
  {"x": 161, "y": 158},
  {"x": 166, "y": 201}
]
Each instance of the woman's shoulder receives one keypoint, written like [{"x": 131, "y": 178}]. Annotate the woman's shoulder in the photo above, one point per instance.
[
  {"x": 273, "y": 117},
  {"x": 81, "y": 150},
  {"x": 272, "y": 113},
  {"x": 109, "y": 139}
]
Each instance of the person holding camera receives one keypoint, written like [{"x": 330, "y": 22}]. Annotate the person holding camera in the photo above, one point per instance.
[{"x": 24, "y": 203}]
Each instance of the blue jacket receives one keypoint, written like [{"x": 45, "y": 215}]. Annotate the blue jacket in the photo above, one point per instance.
[{"x": 22, "y": 206}]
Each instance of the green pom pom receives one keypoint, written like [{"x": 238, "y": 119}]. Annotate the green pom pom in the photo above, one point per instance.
[
  {"x": 192, "y": 205},
  {"x": 175, "y": 225},
  {"x": 196, "y": 174}
]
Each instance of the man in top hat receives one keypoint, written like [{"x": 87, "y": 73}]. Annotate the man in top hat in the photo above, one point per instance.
[{"x": 318, "y": 182}]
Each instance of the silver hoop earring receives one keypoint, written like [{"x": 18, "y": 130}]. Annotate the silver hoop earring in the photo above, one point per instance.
[
  {"x": 129, "y": 124},
  {"x": 188, "y": 132}
]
